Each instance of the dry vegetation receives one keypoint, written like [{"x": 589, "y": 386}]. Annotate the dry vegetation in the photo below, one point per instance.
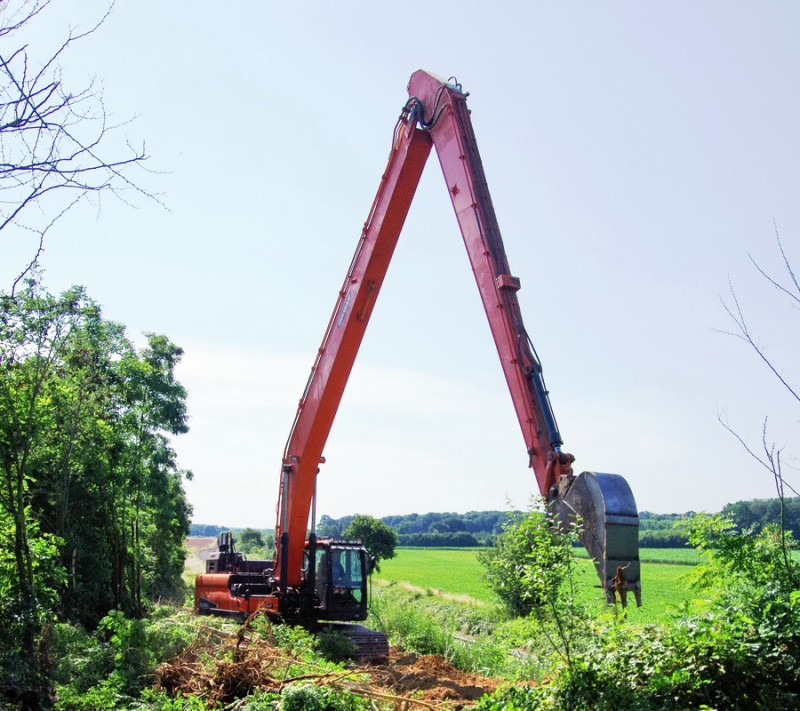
[{"x": 221, "y": 667}]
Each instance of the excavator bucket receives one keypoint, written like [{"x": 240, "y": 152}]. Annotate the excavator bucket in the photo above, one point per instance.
[{"x": 603, "y": 508}]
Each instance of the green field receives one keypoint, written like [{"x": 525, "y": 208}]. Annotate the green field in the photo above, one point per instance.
[
  {"x": 676, "y": 556},
  {"x": 457, "y": 574}
]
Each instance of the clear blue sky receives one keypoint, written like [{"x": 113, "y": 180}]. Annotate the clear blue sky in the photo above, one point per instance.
[{"x": 636, "y": 152}]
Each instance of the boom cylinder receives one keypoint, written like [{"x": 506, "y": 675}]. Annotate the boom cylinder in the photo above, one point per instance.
[{"x": 284, "y": 572}]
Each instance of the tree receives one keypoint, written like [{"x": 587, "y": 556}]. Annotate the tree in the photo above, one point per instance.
[
  {"x": 56, "y": 142},
  {"x": 330, "y": 527},
  {"x": 529, "y": 563},
  {"x": 531, "y": 568},
  {"x": 378, "y": 538},
  {"x": 255, "y": 543},
  {"x": 35, "y": 329},
  {"x": 92, "y": 509},
  {"x": 771, "y": 455},
  {"x": 250, "y": 538}
]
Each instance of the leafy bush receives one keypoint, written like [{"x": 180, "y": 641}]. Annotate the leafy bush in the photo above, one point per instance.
[
  {"x": 295, "y": 639},
  {"x": 108, "y": 669},
  {"x": 741, "y": 652},
  {"x": 305, "y": 697},
  {"x": 529, "y": 564},
  {"x": 335, "y": 646},
  {"x": 156, "y": 700}
]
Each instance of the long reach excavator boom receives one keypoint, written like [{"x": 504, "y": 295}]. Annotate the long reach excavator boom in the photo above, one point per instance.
[{"x": 298, "y": 583}]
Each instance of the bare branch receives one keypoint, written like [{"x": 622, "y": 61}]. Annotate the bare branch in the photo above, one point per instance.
[
  {"x": 771, "y": 459},
  {"x": 741, "y": 441},
  {"x": 737, "y": 316},
  {"x": 54, "y": 143},
  {"x": 13, "y": 21},
  {"x": 787, "y": 265}
]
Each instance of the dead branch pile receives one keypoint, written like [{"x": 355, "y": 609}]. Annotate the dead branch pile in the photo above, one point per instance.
[{"x": 222, "y": 667}]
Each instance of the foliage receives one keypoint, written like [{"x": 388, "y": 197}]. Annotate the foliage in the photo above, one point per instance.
[
  {"x": 108, "y": 669},
  {"x": 378, "y": 538},
  {"x": 408, "y": 625},
  {"x": 92, "y": 508},
  {"x": 153, "y": 699},
  {"x": 759, "y": 513},
  {"x": 474, "y": 522},
  {"x": 250, "y": 538},
  {"x": 740, "y": 651},
  {"x": 307, "y": 697},
  {"x": 257, "y": 545},
  {"x": 530, "y": 563},
  {"x": 298, "y": 640},
  {"x": 473, "y": 528},
  {"x": 470, "y": 638},
  {"x": 739, "y": 558},
  {"x": 460, "y": 539},
  {"x": 480, "y": 528},
  {"x": 335, "y": 646}
]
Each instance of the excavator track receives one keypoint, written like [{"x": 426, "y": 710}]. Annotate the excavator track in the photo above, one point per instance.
[{"x": 371, "y": 645}]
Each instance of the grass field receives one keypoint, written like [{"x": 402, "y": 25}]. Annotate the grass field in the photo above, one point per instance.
[
  {"x": 457, "y": 574},
  {"x": 676, "y": 556}
]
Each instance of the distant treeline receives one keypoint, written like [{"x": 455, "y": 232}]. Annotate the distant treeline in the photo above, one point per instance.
[
  {"x": 758, "y": 513},
  {"x": 451, "y": 530},
  {"x": 480, "y": 528},
  {"x": 667, "y": 530},
  {"x": 202, "y": 529}
]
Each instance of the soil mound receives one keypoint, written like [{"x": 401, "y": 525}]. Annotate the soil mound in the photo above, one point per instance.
[
  {"x": 430, "y": 678},
  {"x": 222, "y": 667}
]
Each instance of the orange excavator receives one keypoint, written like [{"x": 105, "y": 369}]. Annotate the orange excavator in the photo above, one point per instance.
[{"x": 323, "y": 580}]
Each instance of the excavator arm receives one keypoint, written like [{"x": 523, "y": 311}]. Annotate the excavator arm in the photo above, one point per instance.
[
  {"x": 436, "y": 114},
  {"x": 340, "y": 344}
]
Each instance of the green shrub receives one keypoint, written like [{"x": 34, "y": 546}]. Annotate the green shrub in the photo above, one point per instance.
[
  {"x": 306, "y": 697},
  {"x": 297, "y": 640},
  {"x": 108, "y": 669},
  {"x": 530, "y": 563},
  {"x": 155, "y": 700},
  {"x": 335, "y": 646},
  {"x": 741, "y": 651}
]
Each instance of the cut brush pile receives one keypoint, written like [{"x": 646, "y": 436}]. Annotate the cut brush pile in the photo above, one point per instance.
[{"x": 221, "y": 667}]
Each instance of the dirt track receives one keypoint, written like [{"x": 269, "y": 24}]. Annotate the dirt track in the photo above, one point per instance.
[{"x": 198, "y": 550}]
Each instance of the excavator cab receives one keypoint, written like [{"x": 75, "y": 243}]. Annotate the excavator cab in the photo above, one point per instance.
[{"x": 340, "y": 580}]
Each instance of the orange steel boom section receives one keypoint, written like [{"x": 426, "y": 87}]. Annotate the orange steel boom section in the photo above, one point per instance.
[
  {"x": 457, "y": 149},
  {"x": 436, "y": 114},
  {"x": 342, "y": 340}
]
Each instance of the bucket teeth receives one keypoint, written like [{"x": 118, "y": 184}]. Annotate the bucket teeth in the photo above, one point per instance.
[{"x": 603, "y": 508}]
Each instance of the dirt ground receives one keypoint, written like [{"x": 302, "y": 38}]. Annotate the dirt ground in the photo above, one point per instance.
[
  {"x": 407, "y": 681},
  {"x": 198, "y": 549},
  {"x": 429, "y": 678},
  {"x": 224, "y": 666}
]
